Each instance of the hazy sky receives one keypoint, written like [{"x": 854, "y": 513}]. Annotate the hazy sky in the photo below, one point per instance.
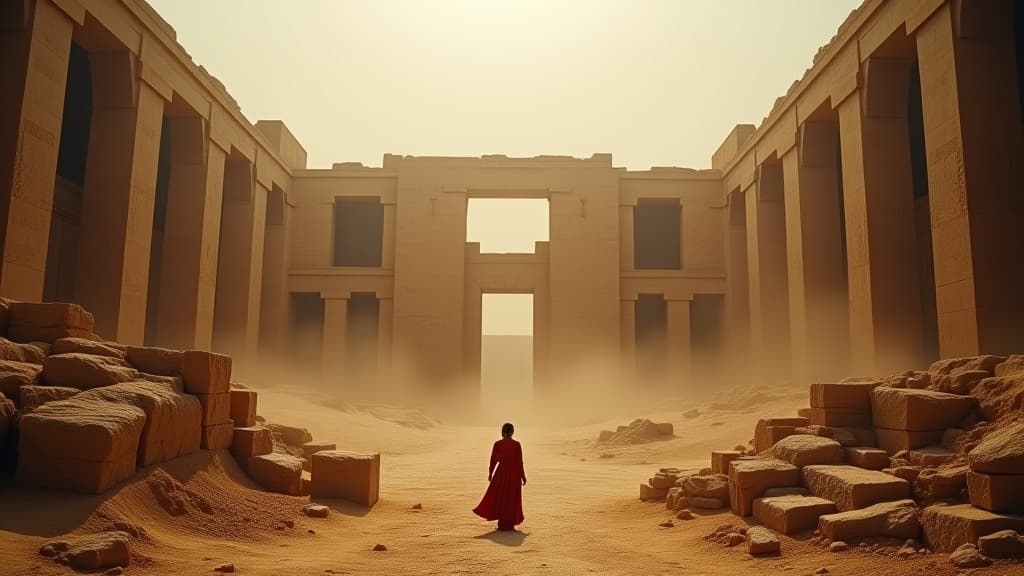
[{"x": 654, "y": 82}]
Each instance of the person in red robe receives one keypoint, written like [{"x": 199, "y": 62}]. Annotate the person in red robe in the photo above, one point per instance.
[{"x": 503, "y": 500}]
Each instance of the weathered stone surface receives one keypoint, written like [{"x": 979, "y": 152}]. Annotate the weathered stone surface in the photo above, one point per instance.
[
  {"x": 352, "y": 476},
  {"x": 898, "y": 519},
  {"x": 277, "y": 472},
  {"x": 943, "y": 482},
  {"x": 100, "y": 551},
  {"x": 86, "y": 346},
  {"x": 316, "y": 511},
  {"x": 1000, "y": 396},
  {"x": 948, "y": 527},
  {"x": 172, "y": 427},
  {"x": 852, "y": 488},
  {"x": 713, "y": 486},
  {"x": 707, "y": 503},
  {"x": 46, "y": 322},
  {"x": 243, "y": 407},
  {"x": 173, "y": 383},
  {"x": 217, "y": 436},
  {"x": 930, "y": 456},
  {"x": 216, "y": 408},
  {"x": 761, "y": 541},
  {"x": 918, "y": 410},
  {"x": 32, "y": 397},
  {"x": 748, "y": 479},
  {"x": 206, "y": 372},
  {"x": 893, "y": 441},
  {"x": 791, "y": 514},
  {"x": 647, "y": 492},
  {"x": 80, "y": 445},
  {"x": 908, "y": 473},
  {"x": 802, "y": 450},
  {"x": 251, "y": 441},
  {"x": 844, "y": 435},
  {"x": 996, "y": 492},
  {"x": 85, "y": 371},
  {"x": 1013, "y": 365},
  {"x": 1001, "y": 452},
  {"x": 14, "y": 375},
  {"x": 770, "y": 430},
  {"x": 720, "y": 460},
  {"x": 291, "y": 435},
  {"x": 841, "y": 417},
  {"x": 967, "y": 556},
  {"x": 310, "y": 448},
  {"x": 787, "y": 491},
  {"x": 153, "y": 360},
  {"x": 853, "y": 395},
  {"x": 1002, "y": 544},
  {"x": 985, "y": 363},
  {"x": 868, "y": 458},
  {"x": 17, "y": 352}
]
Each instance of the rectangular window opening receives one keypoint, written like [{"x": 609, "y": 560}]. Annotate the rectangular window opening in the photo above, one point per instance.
[
  {"x": 507, "y": 225},
  {"x": 657, "y": 234},
  {"x": 358, "y": 232}
]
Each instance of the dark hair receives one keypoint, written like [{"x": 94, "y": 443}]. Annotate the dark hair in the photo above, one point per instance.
[{"x": 507, "y": 429}]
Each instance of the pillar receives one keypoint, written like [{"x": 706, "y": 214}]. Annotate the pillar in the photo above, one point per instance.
[
  {"x": 679, "y": 354},
  {"x": 335, "y": 329},
  {"x": 274, "y": 296},
  {"x": 973, "y": 147},
  {"x": 628, "y": 337},
  {"x": 882, "y": 260},
  {"x": 119, "y": 196},
  {"x": 737, "y": 299},
  {"x": 191, "y": 235},
  {"x": 818, "y": 295},
  {"x": 386, "y": 324},
  {"x": 35, "y": 43},
  {"x": 768, "y": 283},
  {"x": 626, "y": 248},
  {"x": 238, "y": 228}
]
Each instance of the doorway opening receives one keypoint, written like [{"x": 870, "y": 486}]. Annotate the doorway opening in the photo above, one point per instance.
[
  {"x": 306, "y": 328},
  {"x": 361, "y": 333},
  {"x": 651, "y": 336},
  {"x": 506, "y": 356},
  {"x": 507, "y": 225}
]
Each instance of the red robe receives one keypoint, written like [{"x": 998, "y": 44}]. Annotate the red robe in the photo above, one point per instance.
[{"x": 503, "y": 500}]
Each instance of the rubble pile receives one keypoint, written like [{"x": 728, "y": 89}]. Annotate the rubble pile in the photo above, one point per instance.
[{"x": 932, "y": 456}]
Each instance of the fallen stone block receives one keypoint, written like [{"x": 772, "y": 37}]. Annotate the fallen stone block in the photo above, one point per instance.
[
  {"x": 850, "y": 395},
  {"x": 153, "y": 360},
  {"x": 1002, "y": 544},
  {"x": 918, "y": 410},
  {"x": 867, "y": 458},
  {"x": 85, "y": 371},
  {"x": 1000, "y": 452},
  {"x": 665, "y": 428},
  {"x": 87, "y": 346},
  {"x": 352, "y": 476},
  {"x": 216, "y": 408},
  {"x": 803, "y": 450},
  {"x": 852, "y": 488},
  {"x": 172, "y": 427},
  {"x": 25, "y": 353},
  {"x": 291, "y": 435},
  {"x": 712, "y": 486},
  {"x": 761, "y": 541},
  {"x": 243, "y": 407},
  {"x": 662, "y": 480},
  {"x": 310, "y": 448},
  {"x": 898, "y": 519},
  {"x": 930, "y": 456},
  {"x": 1000, "y": 396},
  {"x": 218, "y": 436},
  {"x": 79, "y": 445},
  {"x": 675, "y": 493},
  {"x": 647, "y": 492},
  {"x": 996, "y": 492},
  {"x": 893, "y": 441},
  {"x": 32, "y": 397},
  {"x": 206, "y": 372},
  {"x": 705, "y": 503},
  {"x": 841, "y": 417},
  {"x": 948, "y": 527},
  {"x": 844, "y": 435},
  {"x": 100, "y": 551},
  {"x": 720, "y": 460},
  {"x": 277, "y": 472},
  {"x": 251, "y": 441},
  {"x": 748, "y": 479},
  {"x": 908, "y": 473},
  {"x": 768, "y": 431},
  {"x": 968, "y": 556},
  {"x": 14, "y": 375},
  {"x": 944, "y": 482},
  {"x": 47, "y": 322},
  {"x": 316, "y": 511},
  {"x": 791, "y": 514}
]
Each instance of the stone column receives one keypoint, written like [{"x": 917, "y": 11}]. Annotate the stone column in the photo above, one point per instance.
[
  {"x": 737, "y": 303},
  {"x": 818, "y": 295},
  {"x": 974, "y": 150},
  {"x": 385, "y": 328},
  {"x": 626, "y": 248},
  {"x": 335, "y": 331},
  {"x": 628, "y": 338},
  {"x": 882, "y": 259},
  {"x": 35, "y": 43},
  {"x": 768, "y": 282},
  {"x": 388, "y": 243},
  {"x": 191, "y": 237},
  {"x": 254, "y": 292},
  {"x": 119, "y": 196},
  {"x": 234, "y": 259},
  {"x": 679, "y": 354},
  {"x": 274, "y": 297}
]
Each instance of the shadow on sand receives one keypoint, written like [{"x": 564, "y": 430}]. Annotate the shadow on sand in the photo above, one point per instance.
[{"x": 504, "y": 537}]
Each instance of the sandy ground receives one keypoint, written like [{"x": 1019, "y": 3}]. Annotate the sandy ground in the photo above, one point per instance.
[{"x": 582, "y": 511}]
